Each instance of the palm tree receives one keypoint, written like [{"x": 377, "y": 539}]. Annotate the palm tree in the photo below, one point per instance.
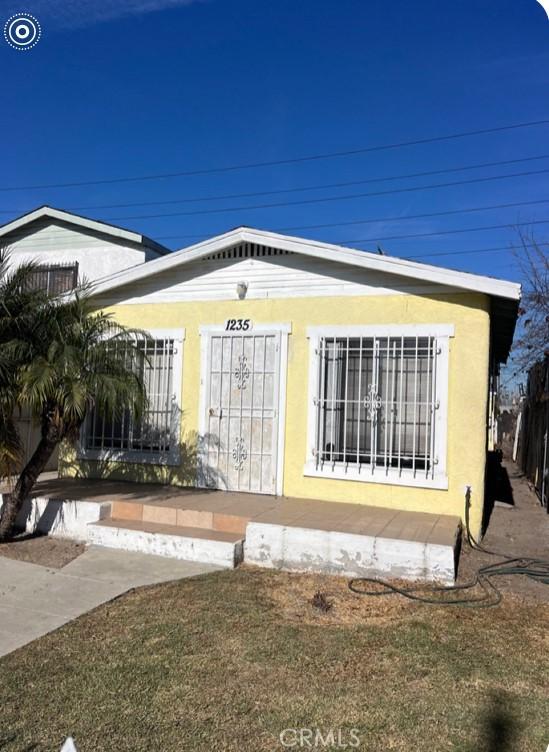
[
  {"x": 19, "y": 305},
  {"x": 59, "y": 358}
]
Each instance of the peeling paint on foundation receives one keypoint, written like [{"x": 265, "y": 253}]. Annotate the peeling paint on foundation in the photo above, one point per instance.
[
  {"x": 220, "y": 553},
  {"x": 305, "y": 550}
]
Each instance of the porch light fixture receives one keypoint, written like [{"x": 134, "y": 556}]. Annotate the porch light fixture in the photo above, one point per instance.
[{"x": 241, "y": 290}]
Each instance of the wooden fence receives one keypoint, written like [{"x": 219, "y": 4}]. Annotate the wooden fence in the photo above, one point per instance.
[{"x": 533, "y": 451}]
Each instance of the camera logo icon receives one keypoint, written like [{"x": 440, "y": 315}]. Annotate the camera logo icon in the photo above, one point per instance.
[{"x": 22, "y": 31}]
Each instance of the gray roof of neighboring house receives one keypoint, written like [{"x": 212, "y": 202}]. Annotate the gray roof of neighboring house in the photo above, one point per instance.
[{"x": 45, "y": 212}]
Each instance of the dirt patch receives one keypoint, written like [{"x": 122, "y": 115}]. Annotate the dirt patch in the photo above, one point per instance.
[
  {"x": 43, "y": 550},
  {"x": 519, "y": 527},
  {"x": 292, "y": 598}
]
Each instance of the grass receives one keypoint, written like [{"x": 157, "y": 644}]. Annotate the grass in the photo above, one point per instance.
[{"x": 228, "y": 661}]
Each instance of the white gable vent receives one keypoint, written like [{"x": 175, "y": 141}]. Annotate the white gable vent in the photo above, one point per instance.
[{"x": 247, "y": 250}]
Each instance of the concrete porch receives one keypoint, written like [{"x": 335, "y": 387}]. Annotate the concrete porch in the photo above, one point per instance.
[{"x": 225, "y": 528}]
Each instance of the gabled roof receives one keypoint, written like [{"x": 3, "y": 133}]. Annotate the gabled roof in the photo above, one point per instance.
[
  {"x": 48, "y": 212},
  {"x": 504, "y": 296},
  {"x": 340, "y": 254}
]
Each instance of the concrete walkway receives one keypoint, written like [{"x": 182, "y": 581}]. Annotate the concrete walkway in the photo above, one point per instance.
[{"x": 35, "y": 600}]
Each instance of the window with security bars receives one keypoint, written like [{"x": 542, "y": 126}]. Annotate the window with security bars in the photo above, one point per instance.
[
  {"x": 153, "y": 431},
  {"x": 55, "y": 280},
  {"x": 376, "y": 405}
]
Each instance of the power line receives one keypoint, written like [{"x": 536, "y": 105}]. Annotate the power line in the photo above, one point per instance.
[
  {"x": 458, "y": 253},
  {"x": 426, "y": 215},
  {"x": 300, "y": 189},
  {"x": 438, "y": 253},
  {"x": 443, "y": 232},
  {"x": 277, "y": 162},
  {"x": 347, "y": 197}
]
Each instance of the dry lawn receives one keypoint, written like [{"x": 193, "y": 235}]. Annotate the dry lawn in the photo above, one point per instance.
[{"x": 228, "y": 661}]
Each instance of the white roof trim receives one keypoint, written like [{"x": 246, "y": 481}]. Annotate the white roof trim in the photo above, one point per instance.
[
  {"x": 316, "y": 249},
  {"x": 73, "y": 219}
]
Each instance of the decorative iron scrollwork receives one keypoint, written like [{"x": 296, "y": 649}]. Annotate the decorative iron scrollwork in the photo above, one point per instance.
[
  {"x": 240, "y": 453},
  {"x": 372, "y": 401},
  {"x": 242, "y": 372}
]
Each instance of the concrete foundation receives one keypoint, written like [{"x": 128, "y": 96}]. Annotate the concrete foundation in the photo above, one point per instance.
[
  {"x": 352, "y": 555},
  {"x": 210, "y": 526},
  {"x": 64, "y": 519}
]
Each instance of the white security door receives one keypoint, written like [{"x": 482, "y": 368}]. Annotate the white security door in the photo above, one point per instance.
[{"x": 242, "y": 393}]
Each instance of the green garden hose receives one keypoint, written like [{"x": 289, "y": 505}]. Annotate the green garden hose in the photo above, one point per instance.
[{"x": 451, "y": 595}]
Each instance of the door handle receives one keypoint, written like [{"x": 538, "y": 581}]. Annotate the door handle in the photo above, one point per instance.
[{"x": 215, "y": 412}]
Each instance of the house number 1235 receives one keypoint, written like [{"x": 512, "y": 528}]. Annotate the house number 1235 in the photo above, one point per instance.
[{"x": 238, "y": 325}]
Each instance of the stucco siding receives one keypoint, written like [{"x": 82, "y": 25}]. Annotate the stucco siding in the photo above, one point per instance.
[
  {"x": 53, "y": 242},
  {"x": 467, "y": 389}
]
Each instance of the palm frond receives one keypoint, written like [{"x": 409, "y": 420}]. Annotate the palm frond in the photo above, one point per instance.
[{"x": 61, "y": 358}]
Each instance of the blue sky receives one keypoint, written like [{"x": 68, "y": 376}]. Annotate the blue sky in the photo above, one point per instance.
[{"x": 123, "y": 89}]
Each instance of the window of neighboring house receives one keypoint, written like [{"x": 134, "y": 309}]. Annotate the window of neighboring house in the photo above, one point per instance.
[
  {"x": 154, "y": 436},
  {"x": 54, "y": 279},
  {"x": 379, "y": 405}
]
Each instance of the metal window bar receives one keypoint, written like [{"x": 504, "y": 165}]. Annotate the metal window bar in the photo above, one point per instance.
[
  {"x": 251, "y": 427},
  {"x": 263, "y": 389},
  {"x": 387, "y": 409},
  {"x": 358, "y": 460},
  {"x": 152, "y": 432},
  {"x": 345, "y": 404},
  {"x": 392, "y": 407},
  {"x": 54, "y": 279},
  {"x": 376, "y": 404},
  {"x": 229, "y": 412},
  {"x": 414, "y": 434},
  {"x": 434, "y": 405},
  {"x": 374, "y": 392},
  {"x": 321, "y": 355}
]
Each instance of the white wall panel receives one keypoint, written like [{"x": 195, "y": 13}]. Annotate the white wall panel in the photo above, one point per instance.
[
  {"x": 276, "y": 276},
  {"x": 51, "y": 242}
]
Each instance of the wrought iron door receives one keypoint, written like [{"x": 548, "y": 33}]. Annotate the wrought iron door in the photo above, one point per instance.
[{"x": 242, "y": 392}]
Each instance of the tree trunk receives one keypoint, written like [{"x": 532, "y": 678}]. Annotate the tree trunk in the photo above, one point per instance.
[{"x": 15, "y": 500}]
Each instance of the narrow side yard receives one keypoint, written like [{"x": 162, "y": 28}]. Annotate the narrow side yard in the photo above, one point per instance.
[{"x": 517, "y": 526}]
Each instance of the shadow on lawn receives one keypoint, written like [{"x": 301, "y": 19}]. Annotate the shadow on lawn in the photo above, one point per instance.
[{"x": 499, "y": 729}]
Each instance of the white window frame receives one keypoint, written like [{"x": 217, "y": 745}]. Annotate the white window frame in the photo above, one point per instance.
[
  {"x": 173, "y": 456},
  {"x": 392, "y": 476}
]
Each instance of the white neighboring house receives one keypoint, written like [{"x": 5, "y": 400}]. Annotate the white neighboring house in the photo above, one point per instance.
[
  {"x": 70, "y": 249},
  {"x": 60, "y": 240}
]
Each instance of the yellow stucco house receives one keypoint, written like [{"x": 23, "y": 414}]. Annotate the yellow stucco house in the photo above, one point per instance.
[
  {"x": 289, "y": 367},
  {"x": 343, "y": 397}
]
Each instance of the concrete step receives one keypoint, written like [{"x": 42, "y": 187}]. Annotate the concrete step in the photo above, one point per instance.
[
  {"x": 164, "y": 514},
  {"x": 224, "y": 549}
]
